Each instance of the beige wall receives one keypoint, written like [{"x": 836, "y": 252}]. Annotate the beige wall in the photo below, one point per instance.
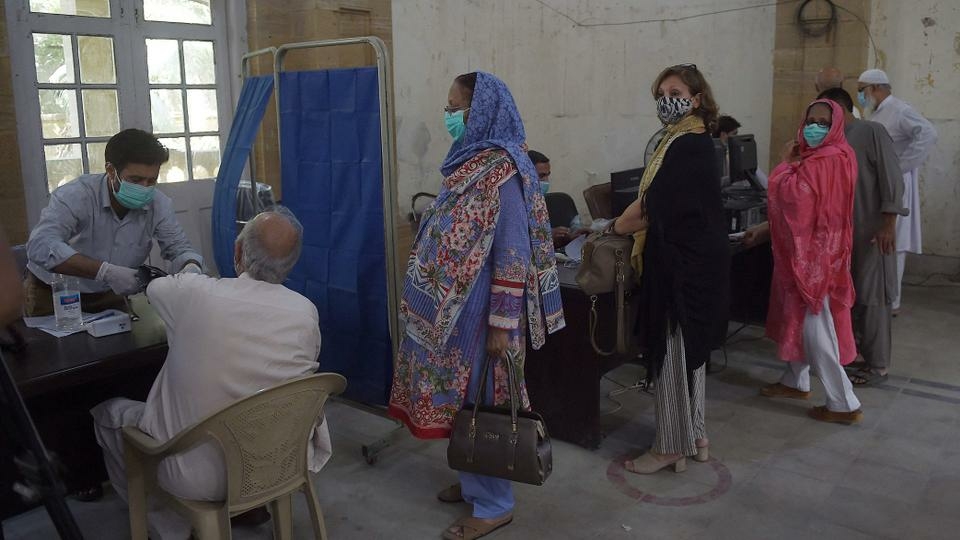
[
  {"x": 797, "y": 58},
  {"x": 13, "y": 210},
  {"x": 583, "y": 92}
]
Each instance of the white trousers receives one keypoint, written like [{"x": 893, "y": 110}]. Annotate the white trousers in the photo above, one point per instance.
[
  {"x": 901, "y": 264},
  {"x": 108, "y": 420},
  {"x": 822, "y": 351}
]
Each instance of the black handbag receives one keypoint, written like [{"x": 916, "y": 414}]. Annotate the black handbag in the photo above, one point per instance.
[{"x": 501, "y": 442}]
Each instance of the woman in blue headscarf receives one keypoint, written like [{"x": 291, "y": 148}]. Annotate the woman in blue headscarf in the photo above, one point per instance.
[{"x": 480, "y": 274}]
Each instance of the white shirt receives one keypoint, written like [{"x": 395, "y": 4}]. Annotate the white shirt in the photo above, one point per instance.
[
  {"x": 228, "y": 339},
  {"x": 913, "y": 135}
]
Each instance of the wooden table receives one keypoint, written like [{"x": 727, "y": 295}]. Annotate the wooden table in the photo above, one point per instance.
[{"x": 60, "y": 379}]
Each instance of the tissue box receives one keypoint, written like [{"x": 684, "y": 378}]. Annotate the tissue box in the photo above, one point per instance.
[{"x": 115, "y": 323}]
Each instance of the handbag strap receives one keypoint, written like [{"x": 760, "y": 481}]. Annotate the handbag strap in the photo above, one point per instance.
[
  {"x": 480, "y": 396},
  {"x": 620, "y": 292}
]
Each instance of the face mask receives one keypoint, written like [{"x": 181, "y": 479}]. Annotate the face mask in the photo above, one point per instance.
[
  {"x": 814, "y": 134},
  {"x": 671, "y": 110},
  {"x": 133, "y": 196},
  {"x": 544, "y": 187},
  {"x": 866, "y": 102},
  {"x": 455, "y": 125}
]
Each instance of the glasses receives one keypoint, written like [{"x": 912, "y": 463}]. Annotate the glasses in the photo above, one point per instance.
[
  {"x": 862, "y": 88},
  {"x": 450, "y": 109},
  {"x": 821, "y": 124},
  {"x": 685, "y": 66}
]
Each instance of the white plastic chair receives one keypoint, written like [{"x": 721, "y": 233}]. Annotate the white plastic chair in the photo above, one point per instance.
[{"x": 264, "y": 439}]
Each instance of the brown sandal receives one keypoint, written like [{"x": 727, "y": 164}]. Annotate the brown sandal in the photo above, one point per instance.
[
  {"x": 472, "y": 528},
  {"x": 826, "y": 415},
  {"x": 452, "y": 494}
]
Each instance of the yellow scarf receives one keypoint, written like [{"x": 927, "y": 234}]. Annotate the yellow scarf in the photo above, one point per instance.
[{"x": 690, "y": 124}]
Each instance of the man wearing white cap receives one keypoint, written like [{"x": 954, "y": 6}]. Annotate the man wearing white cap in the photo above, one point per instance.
[{"x": 913, "y": 137}]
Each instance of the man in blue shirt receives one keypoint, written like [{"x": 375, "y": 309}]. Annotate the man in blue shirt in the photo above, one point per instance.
[{"x": 100, "y": 228}]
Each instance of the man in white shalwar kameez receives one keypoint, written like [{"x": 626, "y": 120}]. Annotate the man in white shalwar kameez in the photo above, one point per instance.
[
  {"x": 913, "y": 138},
  {"x": 228, "y": 339}
]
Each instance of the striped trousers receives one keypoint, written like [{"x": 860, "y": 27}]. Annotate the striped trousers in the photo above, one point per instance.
[{"x": 679, "y": 408}]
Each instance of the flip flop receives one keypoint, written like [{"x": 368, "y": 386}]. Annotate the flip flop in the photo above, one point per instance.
[
  {"x": 867, "y": 378},
  {"x": 472, "y": 528}
]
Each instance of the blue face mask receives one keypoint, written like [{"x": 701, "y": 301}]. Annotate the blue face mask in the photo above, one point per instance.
[
  {"x": 544, "y": 186},
  {"x": 133, "y": 196},
  {"x": 455, "y": 125},
  {"x": 814, "y": 134}
]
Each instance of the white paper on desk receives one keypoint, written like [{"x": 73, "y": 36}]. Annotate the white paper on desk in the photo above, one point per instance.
[
  {"x": 574, "y": 249},
  {"x": 49, "y": 323}
]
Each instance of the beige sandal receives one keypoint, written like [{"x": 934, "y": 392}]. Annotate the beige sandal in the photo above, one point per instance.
[
  {"x": 452, "y": 494},
  {"x": 472, "y": 528}
]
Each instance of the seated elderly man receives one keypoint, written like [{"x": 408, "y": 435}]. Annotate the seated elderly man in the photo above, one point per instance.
[{"x": 228, "y": 338}]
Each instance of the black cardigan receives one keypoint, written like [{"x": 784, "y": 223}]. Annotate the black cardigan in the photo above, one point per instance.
[{"x": 686, "y": 259}]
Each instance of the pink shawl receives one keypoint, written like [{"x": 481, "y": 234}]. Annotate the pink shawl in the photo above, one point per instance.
[{"x": 811, "y": 228}]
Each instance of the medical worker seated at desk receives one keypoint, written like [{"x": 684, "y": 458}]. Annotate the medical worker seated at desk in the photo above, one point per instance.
[{"x": 100, "y": 228}]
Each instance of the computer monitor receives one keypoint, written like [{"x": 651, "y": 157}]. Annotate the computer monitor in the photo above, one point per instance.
[
  {"x": 723, "y": 162},
  {"x": 624, "y": 186},
  {"x": 625, "y": 179},
  {"x": 743, "y": 156}
]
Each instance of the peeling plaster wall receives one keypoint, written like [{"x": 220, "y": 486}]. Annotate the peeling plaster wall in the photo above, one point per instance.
[
  {"x": 584, "y": 93},
  {"x": 919, "y": 47}
]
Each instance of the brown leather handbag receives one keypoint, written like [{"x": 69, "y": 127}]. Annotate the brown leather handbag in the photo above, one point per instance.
[
  {"x": 605, "y": 268},
  {"x": 501, "y": 442}
]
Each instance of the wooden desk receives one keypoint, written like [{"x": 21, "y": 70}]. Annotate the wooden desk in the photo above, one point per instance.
[
  {"x": 61, "y": 379},
  {"x": 48, "y": 364}
]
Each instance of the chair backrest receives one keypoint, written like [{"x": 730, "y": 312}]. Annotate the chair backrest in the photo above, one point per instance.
[
  {"x": 599, "y": 201},
  {"x": 264, "y": 437},
  {"x": 561, "y": 208}
]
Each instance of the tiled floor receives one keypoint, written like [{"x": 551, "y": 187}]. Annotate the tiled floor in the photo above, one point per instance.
[{"x": 896, "y": 475}]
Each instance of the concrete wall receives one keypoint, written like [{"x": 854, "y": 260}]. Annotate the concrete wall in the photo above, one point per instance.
[
  {"x": 919, "y": 47},
  {"x": 583, "y": 92}
]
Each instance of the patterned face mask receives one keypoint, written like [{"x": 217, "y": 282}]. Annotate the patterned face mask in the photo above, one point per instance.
[{"x": 671, "y": 110}]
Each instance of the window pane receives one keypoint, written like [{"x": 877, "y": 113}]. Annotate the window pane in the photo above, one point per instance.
[
  {"x": 198, "y": 59},
  {"x": 202, "y": 110},
  {"x": 206, "y": 156},
  {"x": 101, "y": 115},
  {"x": 166, "y": 110},
  {"x": 83, "y": 8},
  {"x": 95, "y": 160},
  {"x": 163, "y": 61},
  {"x": 181, "y": 11},
  {"x": 63, "y": 164},
  {"x": 58, "y": 114},
  {"x": 53, "y": 58},
  {"x": 174, "y": 170},
  {"x": 96, "y": 60}
]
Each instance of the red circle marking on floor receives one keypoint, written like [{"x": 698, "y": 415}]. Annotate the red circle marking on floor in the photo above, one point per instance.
[{"x": 615, "y": 473}]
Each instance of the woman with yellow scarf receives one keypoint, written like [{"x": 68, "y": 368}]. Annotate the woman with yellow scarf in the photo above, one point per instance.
[{"x": 681, "y": 254}]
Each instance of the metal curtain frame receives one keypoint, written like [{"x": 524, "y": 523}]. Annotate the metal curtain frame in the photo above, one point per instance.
[
  {"x": 245, "y": 73},
  {"x": 387, "y": 155}
]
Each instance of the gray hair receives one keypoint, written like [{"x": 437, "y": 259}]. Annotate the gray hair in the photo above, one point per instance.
[{"x": 256, "y": 259}]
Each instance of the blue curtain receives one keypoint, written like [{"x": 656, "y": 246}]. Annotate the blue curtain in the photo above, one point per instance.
[
  {"x": 332, "y": 180},
  {"x": 252, "y": 104}
]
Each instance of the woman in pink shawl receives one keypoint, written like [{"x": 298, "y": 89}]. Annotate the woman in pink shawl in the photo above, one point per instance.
[{"x": 811, "y": 229}]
